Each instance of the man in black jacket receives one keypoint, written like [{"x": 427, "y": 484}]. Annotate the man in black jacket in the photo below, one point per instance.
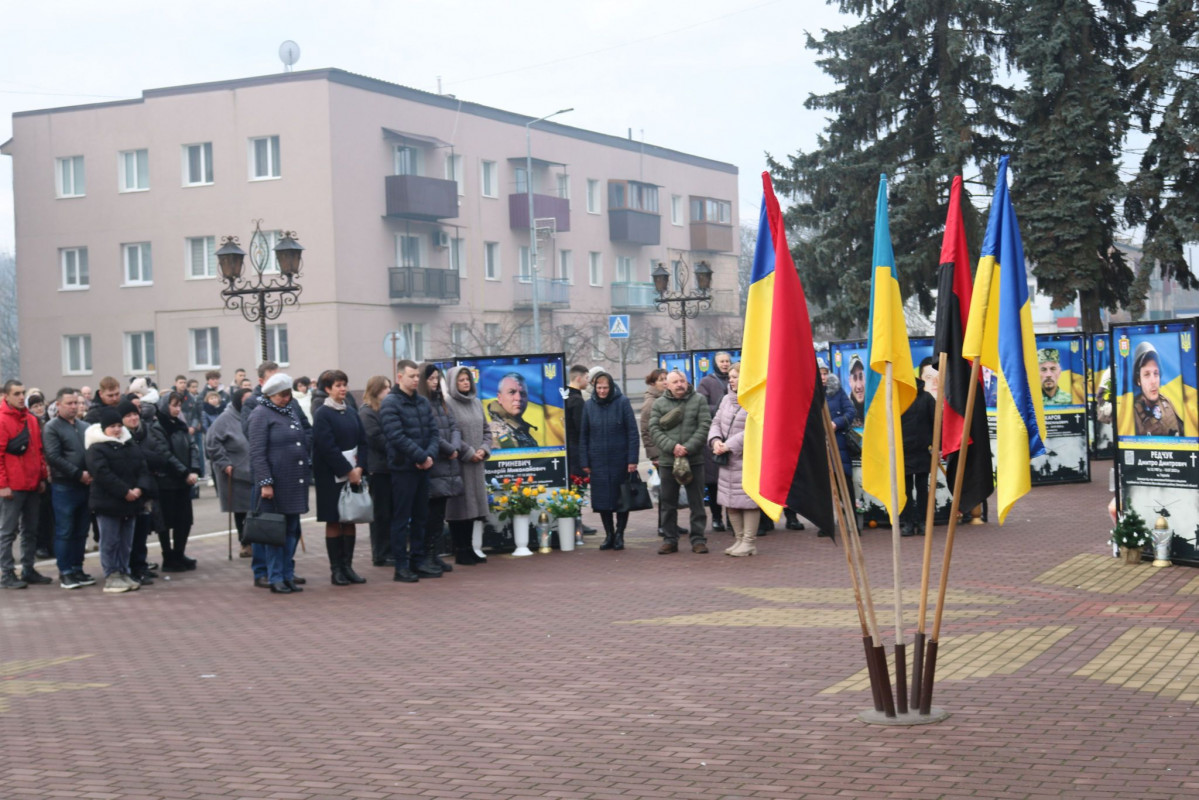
[
  {"x": 574, "y": 425},
  {"x": 62, "y": 441},
  {"x": 412, "y": 444}
]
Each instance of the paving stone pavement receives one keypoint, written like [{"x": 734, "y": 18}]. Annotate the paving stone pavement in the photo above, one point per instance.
[{"x": 593, "y": 675}]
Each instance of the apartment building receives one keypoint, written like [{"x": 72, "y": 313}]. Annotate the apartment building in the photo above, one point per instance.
[{"x": 413, "y": 209}]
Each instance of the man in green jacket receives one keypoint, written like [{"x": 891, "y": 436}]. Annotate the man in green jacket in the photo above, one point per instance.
[{"x": 678, "y": 424}]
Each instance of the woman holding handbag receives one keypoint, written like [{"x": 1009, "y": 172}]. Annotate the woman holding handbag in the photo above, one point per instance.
[
  {"x": 726, "y": 438},
  {"x": 466, "y": 512},
  {"x": 610, "y": 446},
  {"x": 281, "y": 468},
  {"x": 339, "y": 457},
  {"x": 445, "y": 477}
]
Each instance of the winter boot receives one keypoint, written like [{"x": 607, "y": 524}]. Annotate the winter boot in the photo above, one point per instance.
[
  {"x": 476, "y": 541},
  {"x": 622, "y": 520},
  {"x": 745, "y": 545},
  {"x": 336, "y": 570},
  {"x": 609, "y": 533},
  {"x": 347, "y": 558}
]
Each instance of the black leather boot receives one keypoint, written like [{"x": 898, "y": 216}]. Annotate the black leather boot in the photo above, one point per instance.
[
  {"x": 609, "y": 533},
  {"x": 336, "y": 572},
  {"x": 347, "y": 559}
]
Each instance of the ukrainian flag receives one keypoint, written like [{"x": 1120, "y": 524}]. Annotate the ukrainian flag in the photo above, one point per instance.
[
  {"x": 999, "y": 333},
  {"x": 887, "y": 343}
]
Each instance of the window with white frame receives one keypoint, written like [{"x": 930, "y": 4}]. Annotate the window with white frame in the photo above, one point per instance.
[
  {"x": 406, "y": 160},
  {"x": 491, "y": 337},
  {"x": 525, "y": 272},
  {"x": 458, "y": 256},
  {"x": 272, "y": 260},
  {"x": 522, "y": 181},
  {"x": 566, "y": 264},
  {"x": 71, "y": 180},
  {"x": 134, "y": 166},
  {"x": 488, "y": 179},
  {"x": 276, "y": 344},
  {"x": 707, "y": 209},
  {"x": 676, "y": 209},
  {"x": 453, "y": 172},
  {"x": 77, "y": 354},
  {"x": 264, "y": 158},
  {"x": 624, "y": 269},
  {"x": 201, "y": 257},
  {"x": 139, "y": 352},
  {"x": 564, "y": 186},
  {"x": 491, "y": 261},
  {"x": 74, "y": 267},
  {"x": 411, "y": 341},
  {"x": 595, "y": 268},
  {"x": 458, "y": 333},
  {"x": 593, "y": 196},
  {"x": 136, "y": 258},
  {"x": 407, "y": 250},
  {"x": 524, "y": 338},
  {"x": 205, "y": 347},
  {"x": 197, "y": 164}
]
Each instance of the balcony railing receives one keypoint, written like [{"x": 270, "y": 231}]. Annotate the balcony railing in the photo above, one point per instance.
[
  {"x": 550, "y": 293},
  {"x": 544, "y": 206},
  {"x": 634, "y": 227},
  {"x": 711, "y": 237},
  {"x": 422, "y": 286},
  {"x": 628, "y": 296},
  {"x": 418, "y": 197}
]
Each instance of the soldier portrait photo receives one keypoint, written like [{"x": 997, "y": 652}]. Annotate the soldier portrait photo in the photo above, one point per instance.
[{"x": 1052, "y": 392}]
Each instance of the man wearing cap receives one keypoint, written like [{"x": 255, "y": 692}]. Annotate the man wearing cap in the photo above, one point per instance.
[
  {"x": 1052, "y": 394},
  {"x": 857, "y": 389},
  {"x": 66, "y": 457},
  {"x": 1152, "y": 414}
]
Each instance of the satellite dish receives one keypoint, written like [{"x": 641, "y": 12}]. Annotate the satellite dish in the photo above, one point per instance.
[{"x": 289, "y": 54}]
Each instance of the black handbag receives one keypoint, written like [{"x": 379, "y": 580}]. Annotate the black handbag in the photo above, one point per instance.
[
  {"x": 634, "y": 495},
  {"x": 264, "y": 527}
]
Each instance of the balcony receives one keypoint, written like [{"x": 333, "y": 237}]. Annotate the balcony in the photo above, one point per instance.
[
  {"x": 544, "y": 206},
  {"x": 630, "y": 296},
  {"x": 421, "y": 198},
  {"x": 422, "y": 286},
  {"x": 711, "y": 237},
  {"x": 550, "y": 293},
  {"x": 634, "y": 227}
]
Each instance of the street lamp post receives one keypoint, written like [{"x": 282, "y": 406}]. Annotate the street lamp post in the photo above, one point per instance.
[
  {"x": 678, "y": 302},
  {"x": 533, "y": 222},
  {"x": 260, "y": 299}
]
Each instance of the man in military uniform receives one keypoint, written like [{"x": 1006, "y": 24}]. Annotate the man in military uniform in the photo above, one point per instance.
[
  {"x": 1051, "y": 372},
  {"x": 508, "y": 427},
  {"x": 1153, "y": 415}
]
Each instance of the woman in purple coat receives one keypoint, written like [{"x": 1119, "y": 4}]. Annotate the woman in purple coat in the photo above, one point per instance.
[{"x": 726, "y": 436}]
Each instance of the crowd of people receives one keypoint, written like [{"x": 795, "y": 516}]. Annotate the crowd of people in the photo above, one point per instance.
[{"x": 122, "y": 465}]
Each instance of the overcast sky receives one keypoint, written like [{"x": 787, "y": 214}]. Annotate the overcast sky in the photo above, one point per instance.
[{"x": 725, "y": 79}]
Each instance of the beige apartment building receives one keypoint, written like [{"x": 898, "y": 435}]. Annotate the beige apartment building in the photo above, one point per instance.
[{"x": 413, "y": 208}]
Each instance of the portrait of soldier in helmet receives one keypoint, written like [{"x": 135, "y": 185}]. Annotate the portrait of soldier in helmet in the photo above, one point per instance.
[{"x": 1153, "y": 414}]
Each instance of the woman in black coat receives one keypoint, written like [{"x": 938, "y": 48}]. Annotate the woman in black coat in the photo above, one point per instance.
[
  {"x": 177, "y": 449},
  {"x": 380, "y": 476},
  {"x": 339, "y": 454},
  {"x": 120, "y": 482},
  {"x": 609, "y": 445},
  {"x": 917, "y": 425},
  {"x": 281, "y": 466},
  {"x": 445, "y": 478}
]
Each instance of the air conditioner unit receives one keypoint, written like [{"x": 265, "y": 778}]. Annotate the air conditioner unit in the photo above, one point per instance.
[{"x": 441, "y": 239}]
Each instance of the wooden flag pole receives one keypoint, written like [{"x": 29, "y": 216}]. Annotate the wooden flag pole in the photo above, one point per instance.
[
  {"x": 930, "y": 660},
  {"x": 901, "y": 671},
  {"x": 926, "y": 566}
]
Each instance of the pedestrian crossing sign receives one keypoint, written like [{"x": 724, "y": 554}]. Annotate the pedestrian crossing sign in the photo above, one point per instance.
[{"x": 618, "y": 326}]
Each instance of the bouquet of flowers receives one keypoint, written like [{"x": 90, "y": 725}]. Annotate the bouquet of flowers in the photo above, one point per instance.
[
  {"x": 511, "y": 498},
  {"x": 564, "y": 503}
]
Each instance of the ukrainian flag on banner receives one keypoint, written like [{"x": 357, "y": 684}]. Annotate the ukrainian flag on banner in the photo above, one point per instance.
[
  {"x": 999, "y": 333},
  {"x": 887, "y": 342}
]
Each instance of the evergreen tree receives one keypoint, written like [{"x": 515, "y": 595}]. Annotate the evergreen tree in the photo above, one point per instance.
[
  {"x": 1075, "y": 56},
  {"x": 1164, "y": 195},
  {"x": 917, "y": 98}
]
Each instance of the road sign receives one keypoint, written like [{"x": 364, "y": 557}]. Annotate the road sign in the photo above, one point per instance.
[{"x": 618, "y": 326}]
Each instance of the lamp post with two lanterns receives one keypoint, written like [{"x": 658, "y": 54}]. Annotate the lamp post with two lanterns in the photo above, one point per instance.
[
  {"x": 679, "y": 302},
  {"x": 259, "y": 298}
]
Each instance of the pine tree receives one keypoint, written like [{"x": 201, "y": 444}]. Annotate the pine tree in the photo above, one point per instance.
[
  {"x": 1075, "y": 56},
  {"x": 918, "y": 99}
]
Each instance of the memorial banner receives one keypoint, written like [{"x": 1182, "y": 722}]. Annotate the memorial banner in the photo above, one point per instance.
[
  {"x": 681, "y": 361},
  {"x": 1061, "y": 358},
  {"x": 1099, "y": 396},
  {"x": 703, "y": 362}
]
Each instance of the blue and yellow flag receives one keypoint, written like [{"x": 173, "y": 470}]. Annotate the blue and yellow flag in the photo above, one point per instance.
[
  {"x": 999, "y": 333},
  {"x": 887, "y": 343}
]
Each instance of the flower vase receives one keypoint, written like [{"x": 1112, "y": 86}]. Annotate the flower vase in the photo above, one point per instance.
[
  {"x": 566, "y": 533},
  {"x": 520, "y": 532}
]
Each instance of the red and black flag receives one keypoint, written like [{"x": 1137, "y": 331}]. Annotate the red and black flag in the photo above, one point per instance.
[{"x": 953, "y": 309}]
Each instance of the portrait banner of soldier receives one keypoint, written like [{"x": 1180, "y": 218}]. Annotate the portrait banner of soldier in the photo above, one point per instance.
[
  {"x": 1100, "y": 398},
  {"x": 1156, "y": 416},
  {"x": 704, "y": 362},
  {"x": 1061, "y": 378}
]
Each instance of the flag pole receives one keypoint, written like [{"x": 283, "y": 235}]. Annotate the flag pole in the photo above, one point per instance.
[
  {"x": 901, "y": 676},
  {"x": 878, "y": 651},
  {"x": 930, "y": 661},
  {"x": 929, "y": 514}
]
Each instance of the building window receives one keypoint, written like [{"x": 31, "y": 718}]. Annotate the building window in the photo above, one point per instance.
[
  {"x": 624, "y": 269},
  {"x": 201, "y": 257},
  {"x": 407, "y": 160},
  {"x": 525, "y": 272},
  {"x": 491, "y": 336},
  {"x": 139, "y": 352},
  {"x": 205, "y": 346},
  {"x": 522, "y": 181},
  {"x": 458, "y": 339},
  {"x": 74, "y": 267},
  {"x": 491, "y": 261},
  {"x": 407, "y": 250},
  {"x": 706, "y": 209},
  {"x": 272, "y": 260},
  {"x": 77, "y": 354},
  {"x": 524, "y": 339},
  {"x": 676, "y": 270},
  {"x": 633, "y": 195},
  {"x": 264, "y": 158},
  {"x": 197, "y": 164},
  {"x": 453, "y": 172},
  {"x": 136, "y": 258},
  {"x": 276, "y": 344},
  {"x": 676, "y": 209},
  {"x": 458, "y": 256},
  {"x": 593, "y": 196},
  {"x": 411, "y": 342},
  {"x": 566, "y": 263},
  {"x": 135, "y": 170},
  {"x": 595, "y": 268},
  {"x": 71, "y": 179},
  {"x": 487, "y": 176},
  {"x": 564, "y": 187}
]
